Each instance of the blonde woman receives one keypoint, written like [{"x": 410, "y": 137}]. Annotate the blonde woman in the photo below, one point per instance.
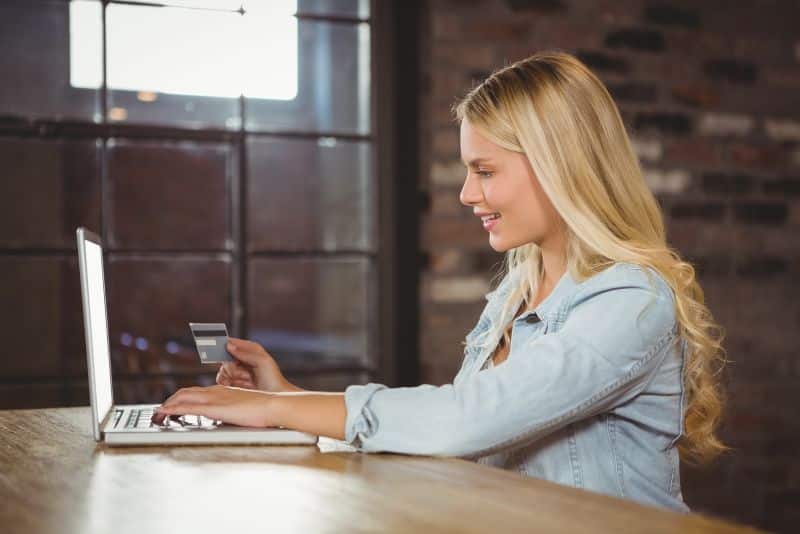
[{"x": 595, "y": 362}]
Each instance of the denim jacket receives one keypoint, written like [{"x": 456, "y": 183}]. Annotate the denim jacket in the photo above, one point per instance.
[{"x": 590, "y": 395}]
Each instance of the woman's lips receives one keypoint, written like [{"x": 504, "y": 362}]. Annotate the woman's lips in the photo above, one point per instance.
[{"x": 490, "y": 222}]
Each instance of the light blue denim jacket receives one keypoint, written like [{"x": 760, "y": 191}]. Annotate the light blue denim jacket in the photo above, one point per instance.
[{"x": 590, "y": 395}]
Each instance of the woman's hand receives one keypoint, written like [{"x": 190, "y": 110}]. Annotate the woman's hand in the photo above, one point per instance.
[
  {"x": 253, "y": 368},
  {"x": 235, "y": 406},
  {"x": 320, "y": 414}
]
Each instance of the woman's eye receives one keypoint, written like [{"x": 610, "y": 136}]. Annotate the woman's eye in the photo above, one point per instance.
[{"x": 485, "y": 174}]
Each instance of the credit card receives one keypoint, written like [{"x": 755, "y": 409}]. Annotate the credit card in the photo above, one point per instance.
[{"x": 211, "y": 340}]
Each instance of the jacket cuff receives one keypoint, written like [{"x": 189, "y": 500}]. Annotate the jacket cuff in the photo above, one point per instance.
[{"x": 361, "y": 422}]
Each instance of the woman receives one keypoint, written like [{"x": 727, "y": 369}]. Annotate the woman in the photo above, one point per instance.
[{"x": 595, "y": 361}]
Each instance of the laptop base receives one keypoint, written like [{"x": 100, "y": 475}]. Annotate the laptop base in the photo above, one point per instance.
[{"x": 218, "y": 435}]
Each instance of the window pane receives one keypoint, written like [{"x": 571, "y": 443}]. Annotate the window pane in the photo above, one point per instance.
[
  {"x": 326, "y": 182},
  {"x": 138, "y": 390},
  {"x": 311, "y": 313},
  {"x": 170, "y": 195},
  {"x": 151, "y": 302},
  {"x": 333, "y": 83},
  {"x": 197, "y": 62},
  {"x": 35, "y": 38},
  {"x": 42, "y": 328},
  {"x": 184, "y": 73},
  {"x": 48, "y": 189}
]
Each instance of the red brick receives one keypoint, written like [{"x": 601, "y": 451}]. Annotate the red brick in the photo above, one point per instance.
[
  {"x": 758, "y": 156},
  {"x": 692, "y": 151},
  {"x": 465, "y": 55},
  {"x": 697, "y": 94},
  {"x": 445, "y": 26},
  {"x": 489, "y": 29},
  {"x": 446, "y": 143}
]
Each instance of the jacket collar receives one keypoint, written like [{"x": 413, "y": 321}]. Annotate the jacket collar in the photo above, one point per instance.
[{"x": 549, "y": 308}]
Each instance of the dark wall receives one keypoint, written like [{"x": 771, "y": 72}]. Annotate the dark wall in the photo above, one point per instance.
[{"x": 709, "y": 92}]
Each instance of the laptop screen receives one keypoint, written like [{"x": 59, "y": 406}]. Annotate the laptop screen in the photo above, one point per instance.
[{"x": 98, "y": 323}]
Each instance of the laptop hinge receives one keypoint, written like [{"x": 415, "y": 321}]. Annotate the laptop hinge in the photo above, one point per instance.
[{"x": 105, "y": 420}]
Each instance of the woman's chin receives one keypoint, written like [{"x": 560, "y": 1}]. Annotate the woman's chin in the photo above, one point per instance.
[
  {"x": 498, "y": 244},
  {"x": 503, "y": 244}
]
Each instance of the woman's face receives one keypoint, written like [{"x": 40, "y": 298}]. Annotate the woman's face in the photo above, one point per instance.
[{"x": 503, "y": 190}]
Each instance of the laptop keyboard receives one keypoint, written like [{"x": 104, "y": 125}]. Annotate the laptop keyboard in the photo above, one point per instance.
[
  {"x": 134, "y": 418},
  {"x": 141, "y": 418}
]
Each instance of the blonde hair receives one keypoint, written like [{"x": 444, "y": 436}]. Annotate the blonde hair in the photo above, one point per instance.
[{"x": 553, "y": 109}]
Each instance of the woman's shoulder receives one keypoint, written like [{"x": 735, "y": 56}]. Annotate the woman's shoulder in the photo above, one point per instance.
[
  {"x": 626, "y": 275},
  {"x": 606, "y": 284},
  {"x": 622, "y": 293}
]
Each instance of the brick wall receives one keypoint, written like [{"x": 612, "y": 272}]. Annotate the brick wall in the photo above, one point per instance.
[{"x": 710, "y": 93}]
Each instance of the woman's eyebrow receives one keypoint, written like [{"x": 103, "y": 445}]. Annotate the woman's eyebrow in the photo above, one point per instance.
[{"x": 477, "y": 161}]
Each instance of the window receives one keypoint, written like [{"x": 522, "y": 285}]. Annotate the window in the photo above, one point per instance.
[
  {"x": 231, "y": 176},
  {"x": 202, "y": 49}
]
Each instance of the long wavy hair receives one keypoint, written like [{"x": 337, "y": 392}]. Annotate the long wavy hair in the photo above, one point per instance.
[{"x": 553, "y": 109}]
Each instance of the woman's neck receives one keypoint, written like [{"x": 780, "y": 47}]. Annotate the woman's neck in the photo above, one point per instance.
[
  {"x": 554, "y": 259},
  {"x": 553, "y": 270},
  {"x": 546, "y": 286}
]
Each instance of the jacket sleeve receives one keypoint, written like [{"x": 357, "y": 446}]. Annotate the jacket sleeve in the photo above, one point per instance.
[{"x": 613, "y": 341}]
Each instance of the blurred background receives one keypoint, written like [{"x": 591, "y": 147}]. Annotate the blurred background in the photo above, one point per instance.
[{"x": 291, "y": 168}]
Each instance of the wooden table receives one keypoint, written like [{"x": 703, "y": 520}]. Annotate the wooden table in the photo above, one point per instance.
[{"x": 54, "y": 478}]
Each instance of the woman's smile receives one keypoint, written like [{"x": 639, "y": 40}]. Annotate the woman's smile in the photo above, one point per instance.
[{"x": 489, "y": 219}]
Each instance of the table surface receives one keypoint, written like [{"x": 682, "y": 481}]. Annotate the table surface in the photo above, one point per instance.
[{"x": 55, "y": 478}]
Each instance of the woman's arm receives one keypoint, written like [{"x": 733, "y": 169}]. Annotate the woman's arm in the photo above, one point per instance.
[{"x": 316, "y": 413}]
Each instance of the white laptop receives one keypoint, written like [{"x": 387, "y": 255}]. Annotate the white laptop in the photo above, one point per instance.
[{"x": 130, "y": 424}]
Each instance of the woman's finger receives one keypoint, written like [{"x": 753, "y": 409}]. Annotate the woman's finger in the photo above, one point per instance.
[
  {"x": 222, "y": 371},
  {"x": 183, "y": 408},
  {"x": 235, "y": 370},
  {"x": 241, "y": 375},
  {"x": 247, "y": 352},
  {"x": 234, "y": 366},
  {"x": 227, "y": 375},
  {"x": 244, "y": 343},
  {"x": 243, "y": 354},
  {"x": 222, "y": 378},
  {"x": 212, "y": 411},
  {"x": 191, "y": 400},
  {"x": 192, "y": 394}
]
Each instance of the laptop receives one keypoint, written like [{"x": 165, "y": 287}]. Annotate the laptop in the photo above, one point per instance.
[{"x": 130, "y": 424}]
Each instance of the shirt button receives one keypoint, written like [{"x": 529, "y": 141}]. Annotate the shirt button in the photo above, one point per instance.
[{"x": 532, "y": 319}]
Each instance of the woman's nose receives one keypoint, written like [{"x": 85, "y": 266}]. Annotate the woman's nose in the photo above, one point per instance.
[{"x": 471, "y": 193}]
